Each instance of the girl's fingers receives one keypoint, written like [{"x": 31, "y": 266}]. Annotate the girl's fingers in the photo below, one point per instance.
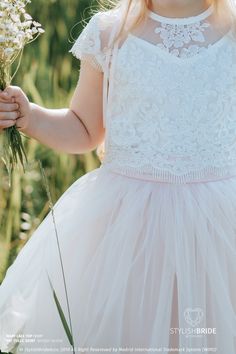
[
  {"x": 7, "y": 100},
  {"x": 10, "y": 92},
  {"x": 7, "y": 95},
  {"x": 19, "y": 123},
  {"x": 6, "y": 124},
  {"x": 8, "y": 107},
  {"x": 9, "y": 115},
  {"x": 4, "y": 95}
]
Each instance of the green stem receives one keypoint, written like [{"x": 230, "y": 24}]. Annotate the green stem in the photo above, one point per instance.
[
  {"x": 68, "y": 328},
  {"x": 4, "y": 76}
]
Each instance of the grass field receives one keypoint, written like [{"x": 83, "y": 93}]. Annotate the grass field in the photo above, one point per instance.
[{"x": 48, "y": 75}]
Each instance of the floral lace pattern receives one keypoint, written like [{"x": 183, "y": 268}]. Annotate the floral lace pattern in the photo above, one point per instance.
[
  {"x": 169, "y": 119},
  {"x": 88, "y": 46},
  {"x": 176, "y": 36},
  {"x": 92, "y": 43}
]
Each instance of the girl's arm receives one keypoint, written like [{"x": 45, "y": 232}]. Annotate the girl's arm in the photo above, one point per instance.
[{"x": 77, "y": 129}]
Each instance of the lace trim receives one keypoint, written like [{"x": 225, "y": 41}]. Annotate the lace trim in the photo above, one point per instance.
[
  {"x": 88, "y": 44},
  {"x": 183, "y": 20},
  {"x": 207, "y": 174},
  {"x": 91, "y": 60}
]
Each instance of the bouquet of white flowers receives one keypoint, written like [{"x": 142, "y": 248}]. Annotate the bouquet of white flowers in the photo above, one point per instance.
[{"x": 17, "y": 29}]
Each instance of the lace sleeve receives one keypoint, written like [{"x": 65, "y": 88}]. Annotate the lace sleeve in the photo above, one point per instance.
[{"x": 88, "y": 45}]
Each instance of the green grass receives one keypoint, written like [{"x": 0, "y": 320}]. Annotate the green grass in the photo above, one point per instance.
[{"x": 48, "y": 74}]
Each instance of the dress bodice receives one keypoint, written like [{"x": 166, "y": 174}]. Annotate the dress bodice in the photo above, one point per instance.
[{"x": 171, "y": 113}]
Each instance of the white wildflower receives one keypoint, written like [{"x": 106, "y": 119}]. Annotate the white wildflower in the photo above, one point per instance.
[
  {"x": 2, "y": 39},
  {"x": 34, "y": 30},
  {"x": 8, "y": 51},
  {"x": 17, "y": 28},
  {"x": 27, "y": 16},
  {"x": 36, "y": 24},
  {"x": 3, "y": 5}
]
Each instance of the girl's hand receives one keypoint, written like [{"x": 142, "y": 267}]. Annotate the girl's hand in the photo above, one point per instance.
[{"x": 14, "y": 108}]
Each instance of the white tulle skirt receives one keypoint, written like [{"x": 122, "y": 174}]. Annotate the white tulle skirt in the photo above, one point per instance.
[{"x": 149, "y": 267}]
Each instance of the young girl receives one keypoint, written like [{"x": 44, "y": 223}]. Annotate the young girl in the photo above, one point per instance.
[{"x": 148, "y": 239}]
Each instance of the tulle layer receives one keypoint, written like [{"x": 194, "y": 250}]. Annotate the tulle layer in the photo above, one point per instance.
[{"x": 149, "y": 267}]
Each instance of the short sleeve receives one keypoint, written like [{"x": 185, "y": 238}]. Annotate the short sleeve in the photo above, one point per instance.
[{"x": 88, "y": 45}]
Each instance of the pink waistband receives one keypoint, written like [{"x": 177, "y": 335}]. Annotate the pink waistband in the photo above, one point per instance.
[{"x": 210, "y": 174}]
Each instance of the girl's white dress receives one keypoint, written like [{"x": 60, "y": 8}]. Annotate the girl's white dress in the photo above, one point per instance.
[{"x": 148, "y": 239}]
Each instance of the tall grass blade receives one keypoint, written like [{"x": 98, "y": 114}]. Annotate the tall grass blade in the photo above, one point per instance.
[
  {"x": 62, "y": 316},
  {"x": 46, "y": 185}
]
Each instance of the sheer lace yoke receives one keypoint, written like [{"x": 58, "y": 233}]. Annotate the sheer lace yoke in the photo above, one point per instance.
[
  {"x": 181, "y": 38},
  {"x": 175, "y": 38}
]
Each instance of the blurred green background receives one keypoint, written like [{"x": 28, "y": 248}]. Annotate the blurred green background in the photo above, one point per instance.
[{"x": 48, "y": 74}]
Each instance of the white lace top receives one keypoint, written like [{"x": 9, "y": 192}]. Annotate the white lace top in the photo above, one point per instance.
[{"x": 171, "y": 111}]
